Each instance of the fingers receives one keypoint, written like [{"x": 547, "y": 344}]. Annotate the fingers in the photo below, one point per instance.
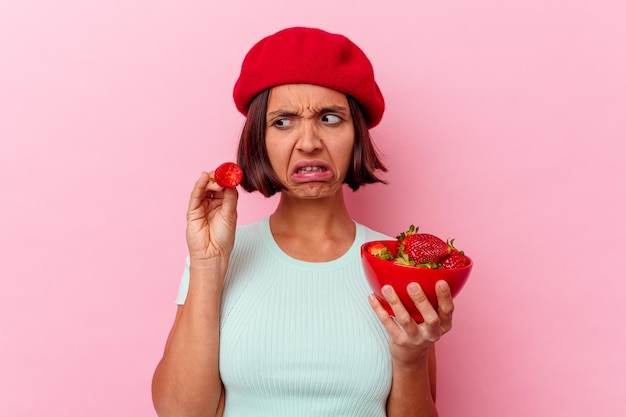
[
  {"x": 403, "y": 318},
  {"x": 445, "y": 305},
  {"x": 384, "y": 317},
  {"x": 230, "y": 197},
  {"x": 435, "y": 323},
  {"x": 206, "y": 188},
  {"x": 202, "y": 190},
  {"x": 438, "y": 321},
  {"x": 420, "y": 299}
]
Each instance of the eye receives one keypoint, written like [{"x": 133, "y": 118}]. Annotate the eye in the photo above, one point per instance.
[
  {"x": 284, "y": 122},
  {"x": 331, "y": 119}
]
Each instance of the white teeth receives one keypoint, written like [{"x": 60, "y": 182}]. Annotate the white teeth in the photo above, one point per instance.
[{"x": 310, "y": 169}]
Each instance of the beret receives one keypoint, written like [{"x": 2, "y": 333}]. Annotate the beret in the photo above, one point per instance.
[{"x": 301, "y": 55}]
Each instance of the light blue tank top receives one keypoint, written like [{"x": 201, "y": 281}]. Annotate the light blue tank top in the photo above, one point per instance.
[{"x": 299, "y": 338}]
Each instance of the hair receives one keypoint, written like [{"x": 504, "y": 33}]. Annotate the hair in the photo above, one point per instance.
[{"x": 260, "y": 176}]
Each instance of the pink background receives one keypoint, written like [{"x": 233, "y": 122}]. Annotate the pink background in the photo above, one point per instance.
[{"x": 505, "y": 128}]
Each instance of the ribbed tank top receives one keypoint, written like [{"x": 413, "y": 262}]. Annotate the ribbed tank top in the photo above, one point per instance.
[{"x": 299, "y": 338}]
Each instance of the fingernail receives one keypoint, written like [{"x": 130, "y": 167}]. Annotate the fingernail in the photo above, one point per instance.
[
  {"x": 443, "y": 285},
  {"x": 413, "y": 288},
  {"x": 387, "y": 290}
]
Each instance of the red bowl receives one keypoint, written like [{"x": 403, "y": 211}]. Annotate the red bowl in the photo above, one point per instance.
[{"x": 380, "y": 272}]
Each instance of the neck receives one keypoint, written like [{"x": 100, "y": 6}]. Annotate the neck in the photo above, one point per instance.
[
  {"x": 319, "y": 216},
  {"x": 315, "y": 230}
]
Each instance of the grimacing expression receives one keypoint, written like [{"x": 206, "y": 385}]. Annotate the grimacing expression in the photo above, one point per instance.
[{"x": 309, "y": 138}]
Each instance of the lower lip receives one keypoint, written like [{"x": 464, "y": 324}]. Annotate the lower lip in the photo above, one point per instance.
[{"x": 313, "y": 176}]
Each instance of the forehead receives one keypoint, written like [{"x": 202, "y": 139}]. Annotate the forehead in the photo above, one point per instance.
[{"x": 305, "y": 96}]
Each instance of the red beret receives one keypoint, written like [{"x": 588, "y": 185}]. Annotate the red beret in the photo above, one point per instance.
[{"x": 309, "y": 56}]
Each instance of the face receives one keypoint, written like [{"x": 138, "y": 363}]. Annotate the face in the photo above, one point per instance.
[{"x": 309, "y": 138}]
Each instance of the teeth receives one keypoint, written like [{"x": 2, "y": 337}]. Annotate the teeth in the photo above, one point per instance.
[{"x": 310, "y": 169}]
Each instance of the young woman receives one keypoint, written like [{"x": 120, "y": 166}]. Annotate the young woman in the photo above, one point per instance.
[{"x": 275, "y": 317}]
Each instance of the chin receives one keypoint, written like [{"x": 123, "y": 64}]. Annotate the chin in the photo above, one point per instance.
[{"x": 312, "y": 191}]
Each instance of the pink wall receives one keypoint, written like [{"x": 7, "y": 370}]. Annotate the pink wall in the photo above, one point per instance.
[{"x": 505, "y": 128}]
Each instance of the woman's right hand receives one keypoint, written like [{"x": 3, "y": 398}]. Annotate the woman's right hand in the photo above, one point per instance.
[{"x": 211, "y": 220}]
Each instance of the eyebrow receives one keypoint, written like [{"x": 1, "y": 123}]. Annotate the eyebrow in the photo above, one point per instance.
[
  {"x": 323, "y": 110},
  {"x": 335, "y": 109},
  {"x": 280, "y": 113}
]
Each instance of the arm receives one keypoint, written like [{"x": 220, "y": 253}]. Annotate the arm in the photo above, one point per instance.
[
  {"x": 413, "y": 388},
  {"x": 413, "y": 385},
  {"x": 186, "y": 382}
]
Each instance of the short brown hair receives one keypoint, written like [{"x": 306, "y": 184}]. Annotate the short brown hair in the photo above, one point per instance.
[{"x": 258, "y": 172}]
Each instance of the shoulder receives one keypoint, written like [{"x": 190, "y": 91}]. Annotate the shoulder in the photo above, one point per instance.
[
  {"x": 371, "y": 234},
  {"x": 250, "y": 237},
  {"x": 250, "y": 229}
]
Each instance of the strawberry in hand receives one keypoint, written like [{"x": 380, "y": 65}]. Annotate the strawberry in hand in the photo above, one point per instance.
[{"x": 228, "y": 175}]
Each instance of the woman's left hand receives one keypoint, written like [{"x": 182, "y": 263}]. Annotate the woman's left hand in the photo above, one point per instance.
[{"x": 410, "y": 341}]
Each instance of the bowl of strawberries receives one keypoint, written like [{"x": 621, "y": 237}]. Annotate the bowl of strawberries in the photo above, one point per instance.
[{"x": 414, "y": 257}]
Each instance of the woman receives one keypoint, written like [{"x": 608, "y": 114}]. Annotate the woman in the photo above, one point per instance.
[{"x": 273, "y": 317}]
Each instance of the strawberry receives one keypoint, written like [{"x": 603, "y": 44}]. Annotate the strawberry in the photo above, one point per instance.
[
  {"x": 456, "y": 258},
  {"x": 423, "y": 248},
  {"x": 380, "y": 251},
  {"x": 420, "y": 249},
  {"x": 402, "y": 236},
  {"x": 228, "y": 175}
]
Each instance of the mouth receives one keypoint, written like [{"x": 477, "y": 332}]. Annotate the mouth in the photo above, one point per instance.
[
  {"x": 311, "y": 171},
  {"x": 306, "y": 170}
]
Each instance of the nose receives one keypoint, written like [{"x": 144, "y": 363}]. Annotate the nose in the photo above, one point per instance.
[{"x": 309, "y": 139}]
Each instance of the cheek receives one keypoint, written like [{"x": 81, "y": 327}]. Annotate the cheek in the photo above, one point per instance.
[
  {"x": 276, "y": 155},
  {"x": 344, "y": 153}
]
